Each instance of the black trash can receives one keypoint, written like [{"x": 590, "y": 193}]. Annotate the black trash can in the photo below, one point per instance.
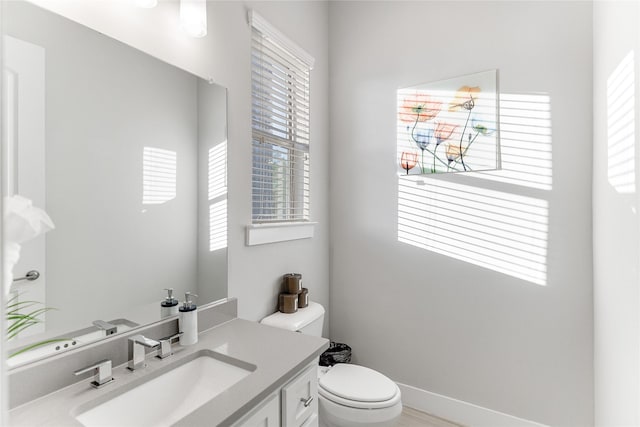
[{"x": 336, "y": 353}]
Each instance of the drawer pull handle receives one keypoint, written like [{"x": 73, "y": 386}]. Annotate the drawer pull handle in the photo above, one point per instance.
[{"x": 306, "y": 402}]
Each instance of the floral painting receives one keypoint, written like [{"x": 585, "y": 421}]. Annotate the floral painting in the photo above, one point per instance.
[{"x": 449, "y": 126}]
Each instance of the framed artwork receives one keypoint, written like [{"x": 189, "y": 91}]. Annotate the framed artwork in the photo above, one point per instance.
[{"x": 449, "y": 126}]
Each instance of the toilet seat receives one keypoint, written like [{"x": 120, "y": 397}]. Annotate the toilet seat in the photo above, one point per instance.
[{"x": 359, "y": 387}]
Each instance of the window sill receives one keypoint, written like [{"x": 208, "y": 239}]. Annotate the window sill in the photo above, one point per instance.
[{"x": 261, "y": 234}]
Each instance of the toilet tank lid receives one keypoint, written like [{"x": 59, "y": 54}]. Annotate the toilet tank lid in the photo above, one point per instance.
[{"x": 295, "y": 321}]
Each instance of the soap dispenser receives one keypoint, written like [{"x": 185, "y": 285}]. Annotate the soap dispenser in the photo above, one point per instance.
[
  {"x": 169, "y": 306},
  {"x": 188, "y": 322}
]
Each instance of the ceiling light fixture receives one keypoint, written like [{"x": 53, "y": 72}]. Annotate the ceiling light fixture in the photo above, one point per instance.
[{"x": 193, "y": 17}]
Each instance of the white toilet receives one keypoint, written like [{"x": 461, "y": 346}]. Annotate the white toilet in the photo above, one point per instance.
[{"x": 349, "y": 395}]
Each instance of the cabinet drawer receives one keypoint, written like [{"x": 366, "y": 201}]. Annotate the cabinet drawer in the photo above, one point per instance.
[
  {"x": 267, "y": 414},
  {"x": 300, "y": 398}
]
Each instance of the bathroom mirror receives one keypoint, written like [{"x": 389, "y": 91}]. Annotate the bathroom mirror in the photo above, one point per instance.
[{"x": 127, "y": 155}]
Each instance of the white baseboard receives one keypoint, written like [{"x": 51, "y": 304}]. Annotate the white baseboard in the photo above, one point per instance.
[{"x": 458, "y": 411}]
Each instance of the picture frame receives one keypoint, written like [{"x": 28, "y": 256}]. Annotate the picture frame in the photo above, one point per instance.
[{"x": 449, "y": 126}]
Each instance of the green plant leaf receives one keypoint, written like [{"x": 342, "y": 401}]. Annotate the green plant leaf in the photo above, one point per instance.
[
  {"x": 21, "y": 325},
  {"x": 19, "y": 321},
  {"x": 18, "y": 305}
]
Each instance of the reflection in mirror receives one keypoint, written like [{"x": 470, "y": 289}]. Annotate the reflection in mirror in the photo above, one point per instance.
[{"x": 127, "y": 155}]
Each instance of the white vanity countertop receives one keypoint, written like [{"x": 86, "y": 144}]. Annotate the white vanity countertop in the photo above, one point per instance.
[{"x": 277, "y": 354}]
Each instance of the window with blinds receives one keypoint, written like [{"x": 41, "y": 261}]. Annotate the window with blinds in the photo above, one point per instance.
[{"x": 280, "y": 126}]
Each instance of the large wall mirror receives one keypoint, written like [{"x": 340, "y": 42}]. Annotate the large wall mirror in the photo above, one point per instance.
[{"x": 127, "y": 155}]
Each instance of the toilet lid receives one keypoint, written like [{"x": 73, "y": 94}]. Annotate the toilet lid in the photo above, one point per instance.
[{"x": 357, "y": 383}]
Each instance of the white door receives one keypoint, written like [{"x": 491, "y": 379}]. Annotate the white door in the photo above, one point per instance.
[{"x": 24, "y": 87}]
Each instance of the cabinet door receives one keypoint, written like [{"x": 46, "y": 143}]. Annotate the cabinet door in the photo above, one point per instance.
[
  {"x": 312, "y": 421},
  {"x": 266, "y": 415},
  {"x": 300, "y": 398}
]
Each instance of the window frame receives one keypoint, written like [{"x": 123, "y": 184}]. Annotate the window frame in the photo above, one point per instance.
[{"x": 282, "y": 90}]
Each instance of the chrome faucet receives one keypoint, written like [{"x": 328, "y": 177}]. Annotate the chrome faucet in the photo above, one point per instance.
[
  {"x": 101, "y": 371},
  {"x": 108, "y": 328},
  {"x": 137, "y": 344},
  {"x": 165, "y": 346}
]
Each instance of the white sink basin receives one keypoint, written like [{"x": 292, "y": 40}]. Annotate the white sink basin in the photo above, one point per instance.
[{"x": 167, "y": 398}]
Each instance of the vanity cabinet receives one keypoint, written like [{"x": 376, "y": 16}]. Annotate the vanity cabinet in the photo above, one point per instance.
[
  {"x": 266, "y": 414},
  {"x": 300, "y": 399},
  {"x": 294, "y": 405}
]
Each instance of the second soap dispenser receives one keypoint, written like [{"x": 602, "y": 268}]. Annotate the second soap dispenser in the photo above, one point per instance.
[
  {"x": 169, "y": 306},
  {"x": 188, "y": 322}
]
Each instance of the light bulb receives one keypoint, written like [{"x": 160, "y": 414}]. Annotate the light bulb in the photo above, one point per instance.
[{"x": 193, "y": 17}]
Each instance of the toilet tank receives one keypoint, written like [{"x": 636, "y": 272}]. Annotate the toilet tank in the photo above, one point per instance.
[{"x": 308, "y": 320}]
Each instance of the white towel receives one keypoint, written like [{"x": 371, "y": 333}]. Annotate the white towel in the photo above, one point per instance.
[{"x": 22, "y": 222}]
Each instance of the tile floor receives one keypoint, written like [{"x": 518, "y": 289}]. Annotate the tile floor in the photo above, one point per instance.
[{"x": 413, "y": 418}]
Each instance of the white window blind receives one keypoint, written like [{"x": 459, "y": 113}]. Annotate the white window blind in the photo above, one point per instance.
[{"x": 280, "y": 123}]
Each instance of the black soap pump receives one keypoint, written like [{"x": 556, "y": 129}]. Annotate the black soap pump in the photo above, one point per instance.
[
  {"x": 169, "y": 307},
  {"x": 188, "y": 322}
]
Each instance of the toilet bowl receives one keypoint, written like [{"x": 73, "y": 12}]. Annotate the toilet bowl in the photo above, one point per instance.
[
  {"x": 348, "y": 395},
  {"x": 356, "y": 396}
]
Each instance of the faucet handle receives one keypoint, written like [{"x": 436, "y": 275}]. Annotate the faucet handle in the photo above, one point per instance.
[
  {"x": 165, "y": 345},
  {"x": 102, "y": 373},
  {"x": 144, "y": 341},
  {"x": 136, "y": 350}
]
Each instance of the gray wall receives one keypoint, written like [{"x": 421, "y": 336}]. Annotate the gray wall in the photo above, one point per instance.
[
  {"x": 616, "y": 254},
  {"x": 433, "y": 321}
]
